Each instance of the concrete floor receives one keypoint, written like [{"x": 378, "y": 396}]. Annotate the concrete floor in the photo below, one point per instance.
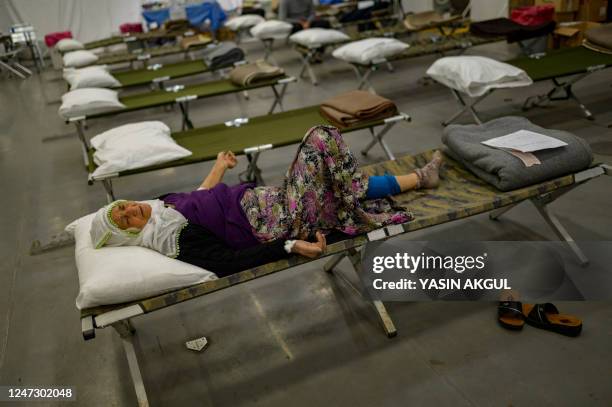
[{"x": 300, "y": 337}]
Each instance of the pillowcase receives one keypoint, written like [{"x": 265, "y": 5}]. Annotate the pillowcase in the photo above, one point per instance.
[
  {"x": 88, "y": 101},
  {"x": 476, "y": 75},
  {"x": 245, "y": 21},
  {"x": 96, "y": 76},
  {"x": 133, "y": 146},
  {"x": 113, "y": 275},
  {"x": 69, "y": 44},
  {"x": 313, "y": 37},
  {"x": 271, "y": 29},
  {"x": 77, "y": 59},
  {"x": 369, "y": 50}
]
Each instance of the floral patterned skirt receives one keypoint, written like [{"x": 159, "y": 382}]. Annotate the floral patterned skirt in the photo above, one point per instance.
[{"x": 322, "y": 191}]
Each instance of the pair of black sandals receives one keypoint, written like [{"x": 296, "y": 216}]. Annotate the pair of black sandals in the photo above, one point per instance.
[{"x": 513, "y": 315}]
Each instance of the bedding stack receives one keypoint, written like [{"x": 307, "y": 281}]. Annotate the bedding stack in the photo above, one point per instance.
[
  {"x": 356, "y": 107},
  {"x": 503, "y": 169},
  {"x": 599, "y": 39},
  {"x": 253, "y": 73},
  {"x": 222, "y": 55}
]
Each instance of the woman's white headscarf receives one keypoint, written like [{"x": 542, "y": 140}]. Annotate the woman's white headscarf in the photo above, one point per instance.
[{"x": 161, "y": 232}]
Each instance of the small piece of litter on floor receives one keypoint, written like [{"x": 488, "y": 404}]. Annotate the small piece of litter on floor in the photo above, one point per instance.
[{"x": 197, "y": 344}]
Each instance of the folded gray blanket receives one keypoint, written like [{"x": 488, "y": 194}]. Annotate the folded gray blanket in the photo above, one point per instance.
[
  {"x": 222, "y": 55},
  {"x": 505, "y": 171},
  {"x": 600, "y": 36}
]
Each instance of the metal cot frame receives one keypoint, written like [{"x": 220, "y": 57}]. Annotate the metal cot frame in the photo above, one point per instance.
[
  {"x": 253, "y": 172},
  {"x": 80, "y": 122},
  {"x": 561, "y": 90},
  {"x": 119, "y": 317}
]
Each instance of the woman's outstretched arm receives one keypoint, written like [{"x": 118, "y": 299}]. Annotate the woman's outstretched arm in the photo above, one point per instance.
[{"x": 225, "y": 160}]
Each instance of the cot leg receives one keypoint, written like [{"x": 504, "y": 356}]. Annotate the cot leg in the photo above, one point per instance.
[
  {"x": 307, "y": 68},
  {"x": 585, "y": 110},
  {"x": 379, "y": 307},
  {"x": 559, "y": 230},
  {"x": 497, "y": 213},
  {"x": 466, "y": 106},
  {"x": 278, "y": 98},
  {"x": 84, "y": 143},
  {"x": 12, "y": 70},
  {"x": 126, "y": 332},
  {"x": 186, "y": 123},
  {"x": 253, "y": 172},
  {"x": 108, "y": 187},
  {"x": 363, "y": 78},
  {"x": 333, "y": 262},
  {"x": 378, "y": 138}
]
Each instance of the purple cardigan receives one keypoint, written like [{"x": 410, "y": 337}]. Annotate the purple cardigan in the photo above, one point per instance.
[{"x": 217, "y": 209}]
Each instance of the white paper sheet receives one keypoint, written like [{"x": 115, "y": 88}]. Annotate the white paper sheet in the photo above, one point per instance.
[{"x": 525, "y": 141}]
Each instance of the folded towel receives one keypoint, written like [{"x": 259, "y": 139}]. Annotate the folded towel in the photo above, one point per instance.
[
  {"x": 357, "y": 106},
  {"x": 505, "y": 171},
  {"x": 222, "y": 55},
  {"x": 600, "y": 36},
  {"x": 250, "y": 74},
  {"x": 195, "y": 41}
]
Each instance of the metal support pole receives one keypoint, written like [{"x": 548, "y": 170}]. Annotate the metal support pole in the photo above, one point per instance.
[
  {"x": 378, "y": 138},
  {"x": 108, "y": 187},
  {"x": 497, "y": 213},
  {"x": 126, "y": 332},
  {"x": 384, "y": 317},
  {"x": 559, "y": 230},
  {"x": 467, "y": 106},
  {"x": 186, "y": 123}
]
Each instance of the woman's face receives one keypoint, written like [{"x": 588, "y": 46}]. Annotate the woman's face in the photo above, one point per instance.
[{"x": 130, "y": 214}]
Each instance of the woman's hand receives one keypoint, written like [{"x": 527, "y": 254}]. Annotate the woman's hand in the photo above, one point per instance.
[
  {"x": 227, "y": 159},
  {"x": 308, "y": 249}
]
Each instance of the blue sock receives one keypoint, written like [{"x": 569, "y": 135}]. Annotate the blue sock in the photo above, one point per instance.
[{"x": 380, "y": 186}]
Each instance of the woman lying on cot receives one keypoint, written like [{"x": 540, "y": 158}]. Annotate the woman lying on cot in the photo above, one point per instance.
[{"x": 227, "y": 229}]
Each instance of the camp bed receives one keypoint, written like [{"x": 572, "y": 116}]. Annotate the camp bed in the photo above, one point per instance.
[
  {"x": 419, "y": 48},
  {"x": 145, "y": 56},
  {"x": 460, "y": 195},
  {"x": 182, "y": 96},
  {"x": 259, "y": 134},
  {"x": 141, "y": 38},
  {"x": 158, "y": 74},
  {"x": 562, "y": 67}
]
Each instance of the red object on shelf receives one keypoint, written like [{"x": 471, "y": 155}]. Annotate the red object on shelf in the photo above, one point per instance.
[
  {"x": 533, "y": 15},
  {"x": 52, "y": 38},
  {"x": 130, "y": 28}
]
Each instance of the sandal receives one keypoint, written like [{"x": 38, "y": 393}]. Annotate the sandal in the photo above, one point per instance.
[
  {"x": 510, "y": 315},
  {"x": 546, "y": 316}
]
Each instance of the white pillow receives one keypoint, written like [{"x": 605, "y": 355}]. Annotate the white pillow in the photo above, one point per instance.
[
  {"x": 369, "y": 50},
  {"x": 271, "y": 29},
  {"x": 314, "y": 37},
  {"x": 96, "y": 76},
  {"x": 245, "y": 21},
  {"x": 113, "y": 275},
  {"x": 68, "y": 44},
  {"x": 77, "y": 59},
  {"x": 88, "y": 101},
  {"x": 476, "y": 75},
  {"x": 135, "y": 145}
]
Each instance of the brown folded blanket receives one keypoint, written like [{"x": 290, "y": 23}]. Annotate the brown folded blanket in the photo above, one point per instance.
[
  {"x": 600, "y": 37},
  {"x": 250, "y": 74},
  {"x": 356, "y": 106}
]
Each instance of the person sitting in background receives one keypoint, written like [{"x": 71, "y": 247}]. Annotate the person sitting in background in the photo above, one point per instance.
[
  {"x": 301, "y": 14},
  {"x": 227, "y": 229}
]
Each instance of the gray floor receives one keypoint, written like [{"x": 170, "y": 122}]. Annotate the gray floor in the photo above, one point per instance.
[{"x": 299, "y": 337}]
